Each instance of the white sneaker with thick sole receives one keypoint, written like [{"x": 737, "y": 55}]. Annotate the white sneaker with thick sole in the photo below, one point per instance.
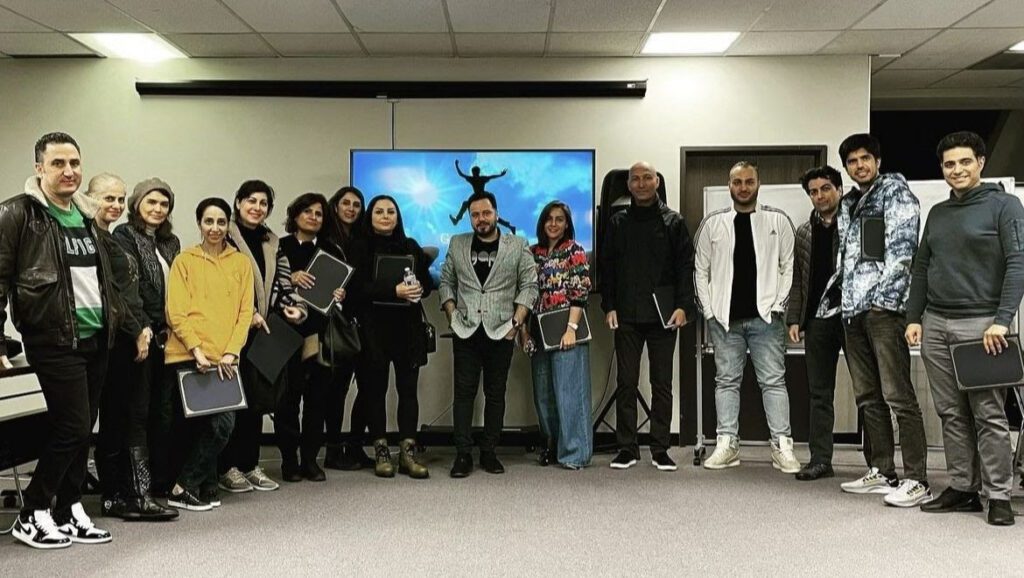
[
  {"x": 783, "y": 458},
  {"x": 78, "y": 527},
  {"x": 40, "y": 531},
  {"x": 910, "y": 493},
  {"x": 726, "y": 454},
  {"x": 872, "y": 482}
]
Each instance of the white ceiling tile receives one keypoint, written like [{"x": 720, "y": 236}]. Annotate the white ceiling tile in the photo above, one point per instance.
[
  {"x": 767, "y": 43},
  {"x": 879, "y": 62},
  {"x": 530, "y": 44},
  {"x": 999, "y": 14},
  {"x": 291, "y": 16},
  {"x": 395, "y": 15},
  {"x": 78, "y": 16},
  {"x": 40, "y": 44},
  {"x": 407, "y": 44},
  {"x": 816, "y": 15},
  {"x": 918, "y": 14},
  {"x": 889, "y": 79},
  {"x": 314, "y": 44},
  {"x": 704, "y": 16},
  {"x": 981, "y": 79},
  {"x": 499, "y": 15},
  {"x": 182, "y": 16},
  {"x": 11, "y": 22},
  {"x": 960, "y": 48},
  {"x": 221, "y": 45},
  {"x": 604, "y": 15},
  {"x": 877, "y": 41},
  {"x": 594, "y": 43}
]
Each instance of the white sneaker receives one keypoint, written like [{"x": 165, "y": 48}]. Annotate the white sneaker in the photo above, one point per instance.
[
  {"x": 783, "y": 458},
  {"x": 78, "y": 527},
  {"x": 870, "y": 483},
  {"x": 259, "y": 480},
  {"x": 234, "y": 481},
  {"x": 909, "y": 494},
  {"x": 726, "y": 454},
  {"x": 40, "y": 531}
]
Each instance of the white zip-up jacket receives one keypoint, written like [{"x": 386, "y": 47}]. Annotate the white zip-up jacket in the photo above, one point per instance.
[{"x": 773, "y": 251}]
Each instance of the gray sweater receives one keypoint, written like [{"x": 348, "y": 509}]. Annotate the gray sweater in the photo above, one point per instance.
[{"x": 971, "y": 259}]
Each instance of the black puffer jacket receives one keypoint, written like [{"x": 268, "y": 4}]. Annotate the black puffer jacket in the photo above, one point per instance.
[{"x": 35, "y": 277}]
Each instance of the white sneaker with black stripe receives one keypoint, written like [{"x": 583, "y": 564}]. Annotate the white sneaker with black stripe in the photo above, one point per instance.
[
  {"x": 79, "y": 528},
  {"x": 910, "y": 493},
  {"x": 873, "y": 482},
  {"x": 39, "y": 531}
]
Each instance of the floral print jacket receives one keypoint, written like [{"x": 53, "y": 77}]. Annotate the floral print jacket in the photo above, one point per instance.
[{"x": 563, "y": 276}]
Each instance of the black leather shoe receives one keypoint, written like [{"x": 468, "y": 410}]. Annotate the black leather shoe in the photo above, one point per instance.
[
  {"x": 951, "y": 500},
  {"x": 290, "y": 471},
  {"x": 489, "y": 462},
  {"x": 1000, "y": 513},
  {"x": 463, "y": 466},
  {"x": 359, "y": 457},
  {"x": 312, "y": 472},
  {"x": 815, "y": 472}
]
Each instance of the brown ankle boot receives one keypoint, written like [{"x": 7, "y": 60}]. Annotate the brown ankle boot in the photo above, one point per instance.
[
  {"x": 382, "y": 465},
  {"x": 407, "y": 463}
]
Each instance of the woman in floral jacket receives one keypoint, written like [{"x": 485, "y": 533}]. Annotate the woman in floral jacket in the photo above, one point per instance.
[{"x": 561, "y": 377}]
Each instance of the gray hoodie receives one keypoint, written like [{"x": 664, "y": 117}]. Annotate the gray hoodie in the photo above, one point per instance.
[{"x": 970, "y": 262}]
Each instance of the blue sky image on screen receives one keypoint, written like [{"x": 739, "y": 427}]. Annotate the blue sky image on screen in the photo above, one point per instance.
[{"x": 430, "y": 191}]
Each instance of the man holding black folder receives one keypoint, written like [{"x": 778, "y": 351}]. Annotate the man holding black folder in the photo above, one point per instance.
[
  {"x": 968, "y": 281},
  {"x": 647, "y": 250},
  {"x": 488, "y": 286},
  {"x": 878, "y": 225}
]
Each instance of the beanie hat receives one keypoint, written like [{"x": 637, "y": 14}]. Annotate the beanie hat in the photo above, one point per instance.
[{"x": 146, "y": 186}]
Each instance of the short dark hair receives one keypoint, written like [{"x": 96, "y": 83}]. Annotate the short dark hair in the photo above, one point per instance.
[
  {"x": 481, "y": 196},
  {"x": 861, "y": 140},
  {"x": 399, "y": 232},
  {"x": 250, "y": 187},
  {"x": 822, "y": 172},
  {"x": 570, "y": 231},
  {"x": 300, "y": 204},
  {"x": 212, "y": 202},
  {"x": 54, "y": 138},
  {"x": 964, "y": 138}
]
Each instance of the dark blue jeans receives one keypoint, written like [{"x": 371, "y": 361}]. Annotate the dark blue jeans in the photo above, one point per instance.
[{"x": 198, "y": 440}]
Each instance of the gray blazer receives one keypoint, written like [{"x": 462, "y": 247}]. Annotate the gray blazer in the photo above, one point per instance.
[{"x": 512, "y": 281}]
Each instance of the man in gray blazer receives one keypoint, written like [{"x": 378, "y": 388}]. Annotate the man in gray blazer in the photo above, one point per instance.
[{"x": 488, "y": 286}]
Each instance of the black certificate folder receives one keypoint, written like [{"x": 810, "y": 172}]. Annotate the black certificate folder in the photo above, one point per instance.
[
  {"x": 330, "y": 273},
  {"x": 665, "y": 303},
  {"x": 872, "y": 238},
  {"x": 553, "y": 325},
  {"x": 206, "y": 394},
  {"x": 976, "y": 370},
  {"x": 389, "y": 270}
]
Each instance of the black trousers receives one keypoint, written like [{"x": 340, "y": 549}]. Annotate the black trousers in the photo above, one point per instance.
[
  {"x": 823, "y": 339},
  {"x": 243, "y": 447},
  {"x": 493, "y": 358},
  {"x": 334, "y": 405},
  {"x": 630, "y": 339},
  {"x": 162, "y": 396},
  {"x": 307, "y": 385},
  {"x": 72, "y": 381},
  {"x": 375, "y": 372},
  {"x": 124, "y": 413}
]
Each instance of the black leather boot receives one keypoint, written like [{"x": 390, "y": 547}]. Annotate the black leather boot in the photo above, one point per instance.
[
  {"x": 111, "y": 468},
  {"x": 141, "y": 504}
]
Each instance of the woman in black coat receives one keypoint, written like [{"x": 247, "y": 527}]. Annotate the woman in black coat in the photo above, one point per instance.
[{"x": 391, "y": 318}]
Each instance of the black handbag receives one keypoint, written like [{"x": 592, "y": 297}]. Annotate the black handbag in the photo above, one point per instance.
[
  {"x": 425, "y": 343},
  {"x": 339, "y": 340}
]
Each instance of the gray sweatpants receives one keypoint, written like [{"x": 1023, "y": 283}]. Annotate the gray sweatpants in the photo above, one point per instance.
[{"x": 975, "y": 431}]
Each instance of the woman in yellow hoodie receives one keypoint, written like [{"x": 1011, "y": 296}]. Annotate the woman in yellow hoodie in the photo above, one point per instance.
[{"x": 209, "y": 310}]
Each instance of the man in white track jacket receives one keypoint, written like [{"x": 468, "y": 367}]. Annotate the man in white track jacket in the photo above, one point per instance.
[{"x": 743, "y": 274}]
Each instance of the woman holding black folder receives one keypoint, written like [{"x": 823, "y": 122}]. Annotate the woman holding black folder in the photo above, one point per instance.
[
  {"x": 561, "y": 377},
  {"x": 391, "y": 319}
]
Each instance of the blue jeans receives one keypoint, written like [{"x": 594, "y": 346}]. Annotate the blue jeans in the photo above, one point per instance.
[
  {"x": 561, "y": 393},
  {"x": 767, "y": 346}
]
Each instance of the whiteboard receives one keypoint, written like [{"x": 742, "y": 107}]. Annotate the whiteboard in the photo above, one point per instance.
[{"x": 792, "y": 200}]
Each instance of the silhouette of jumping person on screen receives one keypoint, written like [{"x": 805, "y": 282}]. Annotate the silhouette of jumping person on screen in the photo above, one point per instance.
[{"x": 478, "y": 182}]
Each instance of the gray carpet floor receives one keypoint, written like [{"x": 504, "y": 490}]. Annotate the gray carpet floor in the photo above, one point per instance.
[{"x": 534, "y": 521}]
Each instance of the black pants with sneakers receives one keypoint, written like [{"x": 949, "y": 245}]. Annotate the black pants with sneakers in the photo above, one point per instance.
[
  {"x": 629, "y": 346},
  {"x": 72, "y": 382}
]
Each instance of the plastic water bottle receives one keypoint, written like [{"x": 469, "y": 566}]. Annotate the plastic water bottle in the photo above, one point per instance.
[{"x": 410, "y": 280}]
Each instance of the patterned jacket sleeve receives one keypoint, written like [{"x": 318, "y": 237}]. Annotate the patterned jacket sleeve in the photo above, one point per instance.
[
  {"x": 283, "y": 294},
  {"x": 577, "y": 286},
  {"x": 902, "y": 225}
]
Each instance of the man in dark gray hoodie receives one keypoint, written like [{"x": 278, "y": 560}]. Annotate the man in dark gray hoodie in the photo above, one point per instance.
[{"x": 968, "y": 281}]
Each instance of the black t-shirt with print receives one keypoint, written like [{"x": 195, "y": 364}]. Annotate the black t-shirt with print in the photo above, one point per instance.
[{"x": 483, "y": 255}]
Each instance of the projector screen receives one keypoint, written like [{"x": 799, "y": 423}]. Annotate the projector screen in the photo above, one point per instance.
[{"x": 431, "y": 191}]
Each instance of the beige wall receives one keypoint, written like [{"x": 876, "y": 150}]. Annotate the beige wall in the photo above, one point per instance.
[{"x": 207, "y": 146}]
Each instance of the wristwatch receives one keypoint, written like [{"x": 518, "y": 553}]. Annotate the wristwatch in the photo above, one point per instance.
[{"x": 574, "y": 326}]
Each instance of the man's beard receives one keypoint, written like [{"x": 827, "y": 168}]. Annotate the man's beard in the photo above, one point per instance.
[
  {"x": 485, "y": 229},
  {"x": 748, "y": 203}
]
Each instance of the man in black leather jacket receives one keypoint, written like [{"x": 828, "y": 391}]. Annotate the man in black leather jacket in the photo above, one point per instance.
[{"x": 57, "y": 278}]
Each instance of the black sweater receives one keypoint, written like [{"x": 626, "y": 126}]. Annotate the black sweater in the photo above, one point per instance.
[{"x": 970, "y": 262}]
